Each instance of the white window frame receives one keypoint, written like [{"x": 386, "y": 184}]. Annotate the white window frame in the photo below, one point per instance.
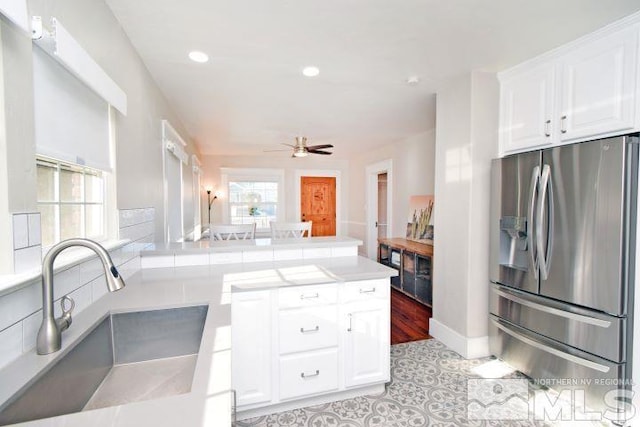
[
  {"x": 252, "y": 174},
  {"x": 59, "y": 164}
]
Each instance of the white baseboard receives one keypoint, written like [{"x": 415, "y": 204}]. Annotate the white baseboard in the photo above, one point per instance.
[{"x": 469, "y": 348}]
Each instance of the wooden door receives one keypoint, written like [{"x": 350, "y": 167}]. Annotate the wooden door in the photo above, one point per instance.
[{"x": 318, "y": 204}]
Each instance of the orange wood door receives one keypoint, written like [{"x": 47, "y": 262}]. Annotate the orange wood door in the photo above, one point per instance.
[{"x": 318, "y": 204}]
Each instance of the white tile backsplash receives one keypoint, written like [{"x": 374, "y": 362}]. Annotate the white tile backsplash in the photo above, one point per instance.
[
  {"x": 344, "y": 251},
  {"x": 27, "y": 259},
  {"x": 314, "y": 253},
  {"x": 35, "y": 235},
  {"x": 257, "y": 256},
  {"x": 10, "y": 343},
  {"x": 158, "y": 261},
  {"x": 91, "y": 269},
  {"x": 225, "y": 257},
  {"x": 287, "y": 254},
  {"x": 66, "y": 282},
  {"x": 98, "y": 288},
  {"x": 130, "y": 268},
  {"x": 184, "y": 260},
  {"x": 19, "y": 304},
  {"x": 21, "y": 310},
  {"x": 20, "y": 231},
  {"x": 30, "y": 327}
]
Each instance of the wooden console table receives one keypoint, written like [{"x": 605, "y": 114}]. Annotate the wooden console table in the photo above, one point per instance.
[{"x": 414, "y": 262}]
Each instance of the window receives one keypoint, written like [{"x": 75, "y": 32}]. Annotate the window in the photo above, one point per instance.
[
  {"x": 253, "y": 201},
  {"x": 71, "y": 201}
]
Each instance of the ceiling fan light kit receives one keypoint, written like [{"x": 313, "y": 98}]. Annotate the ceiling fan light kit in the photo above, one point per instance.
[{"x": 301, "y": 149}]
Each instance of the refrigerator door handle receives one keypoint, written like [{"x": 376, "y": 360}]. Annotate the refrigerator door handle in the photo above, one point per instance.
[
  {"x": 522, "y": 300},
  {"x": 547, "y": 349},
  {"x": 545, "y": 246},
  {"x": 533, "y": 190}
]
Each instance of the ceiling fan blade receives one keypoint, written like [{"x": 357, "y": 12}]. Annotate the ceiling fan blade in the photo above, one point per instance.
[
  {"x": 321, "y": 146},
  {"x": 319, "y": 152},
  {"x": 288, "y": 145},
  {"x": 271, "y": 151}
]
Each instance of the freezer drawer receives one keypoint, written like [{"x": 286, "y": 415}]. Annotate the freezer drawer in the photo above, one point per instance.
[
  {"x": 591, "y": 331},
  {"x": 543, "y": 359}
]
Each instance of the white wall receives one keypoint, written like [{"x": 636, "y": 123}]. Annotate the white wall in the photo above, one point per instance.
[
  {"x": 413, "y": 174},
  {"x": 212, "y": 164},
  {"x": 466, "y": 141}
]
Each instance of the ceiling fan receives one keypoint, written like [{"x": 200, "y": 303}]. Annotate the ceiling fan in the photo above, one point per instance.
[{"x": 301, "y": 149}]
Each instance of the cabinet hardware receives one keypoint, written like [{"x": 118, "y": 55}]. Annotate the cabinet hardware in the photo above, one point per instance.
[
  {"x": 304, "y": 331},
  {"x": 303, "y": 375},
  {"x": 303, "y": 296},
  {"x": 367, "y": 291},
  {"x": 563, "y": 122},
  {"x": 547, "y": 131},
  {"x": 350, "y": 318}
]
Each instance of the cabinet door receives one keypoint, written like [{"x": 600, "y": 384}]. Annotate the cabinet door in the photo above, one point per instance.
[
  {"x": 366, "y": 343},
  {"x": 251, "y": 352},
  {"x": 599, "y": 86},
  {"x": 526, "y": 109}
]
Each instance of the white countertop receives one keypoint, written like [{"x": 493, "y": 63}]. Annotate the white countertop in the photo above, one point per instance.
[
  {"x": 253, "y": 244},
  {"x": 209, "y": 402}
]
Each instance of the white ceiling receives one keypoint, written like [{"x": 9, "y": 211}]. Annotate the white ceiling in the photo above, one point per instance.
[{"x": 251, "y": 95}]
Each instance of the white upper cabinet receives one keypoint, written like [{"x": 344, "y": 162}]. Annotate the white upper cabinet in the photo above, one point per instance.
[
  {"x": 585, "y": 90},
  {"x": 526, "y": 109},
  {"x": 599, "y": 86}
]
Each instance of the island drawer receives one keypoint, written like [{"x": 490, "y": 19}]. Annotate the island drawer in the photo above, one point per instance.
[
  {"x": 307, "y": 296},
  {"x": 304, "y": 374},
  {"x": 310, "y": 328},
  {"x": 363, "y": 290}
]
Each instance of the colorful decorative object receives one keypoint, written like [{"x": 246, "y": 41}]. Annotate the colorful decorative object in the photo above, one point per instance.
[{"x": 420, "y": 221}]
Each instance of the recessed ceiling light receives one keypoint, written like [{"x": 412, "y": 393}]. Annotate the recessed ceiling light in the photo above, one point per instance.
[
  {"x": 413, "y": 80},
  {"x": 311, "y": 71},
  {"x": 198, "y": 56}
]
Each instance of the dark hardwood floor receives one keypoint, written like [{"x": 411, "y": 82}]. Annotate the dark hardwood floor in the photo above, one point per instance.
[{"x": 409, "y": 319}]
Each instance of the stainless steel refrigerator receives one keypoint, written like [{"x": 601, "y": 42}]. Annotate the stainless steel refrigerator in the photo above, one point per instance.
[{"x": 563, "y": 263}]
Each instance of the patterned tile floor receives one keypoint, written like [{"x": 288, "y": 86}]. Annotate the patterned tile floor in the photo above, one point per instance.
[{"x": 429, "y": 387}]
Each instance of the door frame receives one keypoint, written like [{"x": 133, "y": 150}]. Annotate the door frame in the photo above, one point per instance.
[
  {"x": 372, "y": 172},
  {"x": 323, "y": 173}
]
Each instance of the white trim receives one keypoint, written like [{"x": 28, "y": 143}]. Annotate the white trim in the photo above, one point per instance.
[
  {"x": 469, "y": 348},
  {"x": 251, "y": 174},
  {"x": 371, "y": 179},
  {"x": 331, "y": 173},
  {"x": 351, "y": 393}
]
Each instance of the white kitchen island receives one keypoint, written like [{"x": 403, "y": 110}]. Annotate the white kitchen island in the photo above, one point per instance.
[{"x": 209, "y": 402}]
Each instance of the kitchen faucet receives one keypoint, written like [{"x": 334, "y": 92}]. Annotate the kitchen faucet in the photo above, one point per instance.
[{"x": 50, "y": 333}]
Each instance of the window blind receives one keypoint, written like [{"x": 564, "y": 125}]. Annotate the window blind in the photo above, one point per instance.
[{"x": 71, "y": 121}]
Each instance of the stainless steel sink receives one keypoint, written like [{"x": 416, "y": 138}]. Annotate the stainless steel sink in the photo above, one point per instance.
[{"x": 126, "y": 357}]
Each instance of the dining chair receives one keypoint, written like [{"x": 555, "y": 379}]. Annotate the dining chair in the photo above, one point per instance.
[
  {"x": 290, "y": 230},
  {"x": 232, "y": 231}
]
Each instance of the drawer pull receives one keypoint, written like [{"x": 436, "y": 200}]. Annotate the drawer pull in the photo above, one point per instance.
[
  {"x": 367, "y": 291},
  {"x": 350, "y": 318},
  {"x": 303, "y": 296},
  {"x": 315, "y": 374},
  {"x": 305, "y": 331}
]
